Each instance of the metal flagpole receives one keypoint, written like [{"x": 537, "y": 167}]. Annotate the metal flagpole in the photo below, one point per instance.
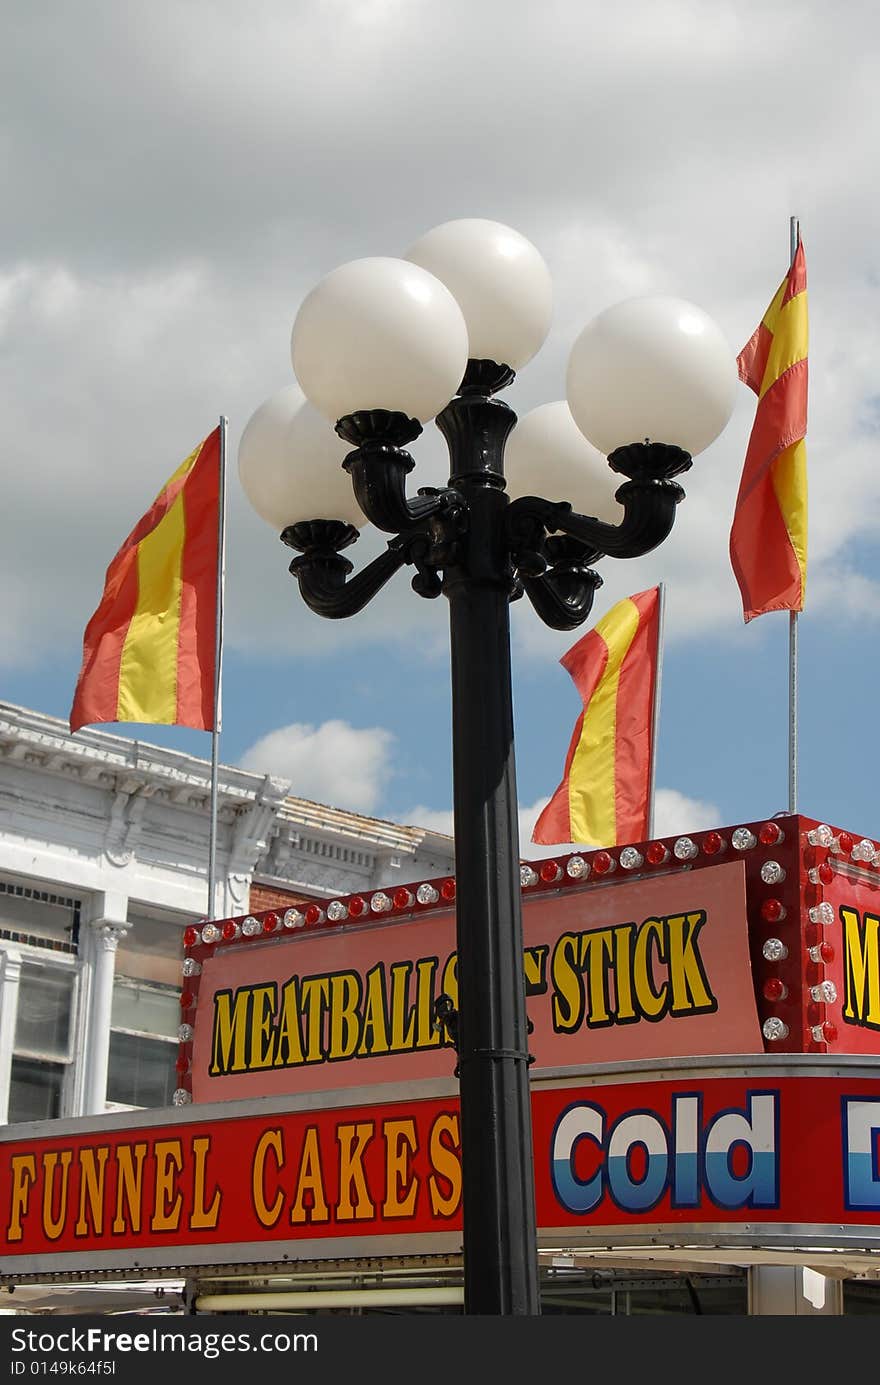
[
  {"x": 655, "y": 712},
  {"x": 793, "y": 237},
  {"x": 218, "y": 663}
]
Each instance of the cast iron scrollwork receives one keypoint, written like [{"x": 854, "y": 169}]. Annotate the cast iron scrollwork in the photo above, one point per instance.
[{"x": 536, "y": 546}]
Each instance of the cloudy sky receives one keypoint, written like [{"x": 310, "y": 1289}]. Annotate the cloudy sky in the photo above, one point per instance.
[{"x": 178, "y": 176}]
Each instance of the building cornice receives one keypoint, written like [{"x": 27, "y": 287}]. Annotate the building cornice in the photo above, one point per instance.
[
  {"x": 99, "y": 757},
  {"x": 301, "y": 812},
  {"x": 135, "y": 770}
]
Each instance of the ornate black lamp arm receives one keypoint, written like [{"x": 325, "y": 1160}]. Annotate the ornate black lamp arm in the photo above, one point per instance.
[
  {"x": 323, "y": 574},
  {"x": 649, "y": 498},
  {"x": 563, "y": 595},
  {"x": 649, "y": 514},
  {"x": 555, "y": 571},
  {"x": 379, "y": 466}
]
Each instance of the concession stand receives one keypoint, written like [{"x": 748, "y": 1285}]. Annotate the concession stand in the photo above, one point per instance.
[{"x": 704, "y": 1017}]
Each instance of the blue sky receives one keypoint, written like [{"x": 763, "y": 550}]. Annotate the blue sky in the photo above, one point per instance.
[{"x": 179, "y": 180}]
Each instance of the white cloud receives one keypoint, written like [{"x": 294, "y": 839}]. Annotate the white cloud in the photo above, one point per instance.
[
  {"x": 442, "y": 820},
  {"x": 432, "y": 819},
  {"x": 674, "y": 813},
  {"x": 180, "y": 177},
  {"x": 529, "y": 850},
  {"x": 334, "y": 763},
  {"x": 174, "y": 201},
  {"x": 845, "y": 595}
]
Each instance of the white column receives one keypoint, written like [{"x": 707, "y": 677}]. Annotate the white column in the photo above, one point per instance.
[
  {"x": 105, "y": 932},
  {"x": 10, "y": 975}
]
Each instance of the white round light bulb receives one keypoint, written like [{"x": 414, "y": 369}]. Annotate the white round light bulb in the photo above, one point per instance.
[
  {"x": 548, "y": 455},
  {"x": 653, "y": 368},
  {"x": 500, "y": 281},
  {"x": 379, "y": 333},
  {"x": 290, "y": 464}
]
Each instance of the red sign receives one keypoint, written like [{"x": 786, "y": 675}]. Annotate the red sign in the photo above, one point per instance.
[
  {"x": 716, "y": 1147},
  {"x": 847, "y": 944},
  {"x": 637, "y": 968},
  {"x": 749, "y": 1149},
  {"x": 763, "y": 937}
]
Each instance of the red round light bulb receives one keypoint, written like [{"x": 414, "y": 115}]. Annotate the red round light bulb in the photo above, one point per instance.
[
  {"x": 770, "y": 834},
  {"x": 772, "y": 910},
  {"x": 774, "y": 989}
]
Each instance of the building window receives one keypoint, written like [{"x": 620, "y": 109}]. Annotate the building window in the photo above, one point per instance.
[
  {"x": 38, "y": 917},
  {"x": 143, "y": 1044},
  {"x": 42, "y": 1053},
  {"x": 34, "y": 1090}
]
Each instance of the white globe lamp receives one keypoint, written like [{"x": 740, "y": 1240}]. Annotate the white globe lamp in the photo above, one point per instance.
[
  {"x": 290, "y": 464},
  {"x": 548, "y": 455},
  {"x": 379, "y": 333},
  {"x": 500, "y": 281},
  {"x": 651, "y": 369}
]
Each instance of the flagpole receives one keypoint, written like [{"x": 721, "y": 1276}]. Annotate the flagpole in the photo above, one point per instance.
[
  {"x": 793, "y": 237},
  {"x": 218, "y": 663},
  {"x": 655, "y": 715}
]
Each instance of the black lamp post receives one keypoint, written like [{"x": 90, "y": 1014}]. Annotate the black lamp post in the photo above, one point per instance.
[{"x": 480, "y": 549}]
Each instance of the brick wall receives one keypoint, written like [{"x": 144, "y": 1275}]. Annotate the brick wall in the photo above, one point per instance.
[{"x": 270, "y": 897}]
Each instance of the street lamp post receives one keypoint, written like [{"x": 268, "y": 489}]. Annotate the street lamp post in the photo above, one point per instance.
[{"x": 381, "y": 346}]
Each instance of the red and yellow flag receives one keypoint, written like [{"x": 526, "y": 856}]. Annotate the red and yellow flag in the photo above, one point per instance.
[
  {"x": 604, "y": 797},
  {"x": 768, "y": 538},
  {"x": 149, "y": 651}
]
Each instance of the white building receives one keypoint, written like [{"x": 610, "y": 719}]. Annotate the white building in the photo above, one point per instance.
[{"x": 103, "y": 863}]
